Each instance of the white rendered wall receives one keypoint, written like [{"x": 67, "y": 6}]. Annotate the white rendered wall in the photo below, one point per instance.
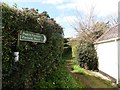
[{"x": 108, "y": 58}]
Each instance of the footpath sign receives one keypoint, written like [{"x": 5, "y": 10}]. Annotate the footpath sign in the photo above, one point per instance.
[{"x": 32, "y": 37}]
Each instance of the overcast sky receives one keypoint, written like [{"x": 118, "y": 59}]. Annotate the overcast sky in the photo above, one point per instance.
[{"x": 65, "y": 11}]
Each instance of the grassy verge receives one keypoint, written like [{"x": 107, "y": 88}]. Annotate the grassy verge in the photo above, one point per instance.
[{"x": 59, "y": 79}]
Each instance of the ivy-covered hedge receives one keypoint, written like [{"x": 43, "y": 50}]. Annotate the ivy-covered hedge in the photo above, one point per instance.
[
  {"x": 87, "y": 55},
  {"x": 36, "y": 60}
]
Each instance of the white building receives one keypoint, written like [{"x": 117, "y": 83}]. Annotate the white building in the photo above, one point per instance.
[{"x": 108, "y": 52}]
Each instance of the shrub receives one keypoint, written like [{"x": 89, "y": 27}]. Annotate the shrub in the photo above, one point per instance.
[
  {"x": 67, "y": 49},
  {"x": 36, "y": 60},
  {"x": 87, "y": 56},
  {"x": 118, "y": 83}
]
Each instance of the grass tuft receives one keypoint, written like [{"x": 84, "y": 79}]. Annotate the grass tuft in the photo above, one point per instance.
[{"x": 78, "y": 69}]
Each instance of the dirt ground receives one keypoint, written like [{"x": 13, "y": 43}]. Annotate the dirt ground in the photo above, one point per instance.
[{"x": 90, "y": 81}]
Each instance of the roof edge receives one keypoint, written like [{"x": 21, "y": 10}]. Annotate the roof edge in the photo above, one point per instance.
[
  {"x": 106, "y": 32},
  {"x": 110, "y": 40}
]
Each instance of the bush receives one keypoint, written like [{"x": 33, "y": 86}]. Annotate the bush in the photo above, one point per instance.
[
  {"x": 118, "y": 83},
  {"x": 36, "y": 60},
  {"x": 87, "y": 56},
  {"x": 67, "y": 49}
]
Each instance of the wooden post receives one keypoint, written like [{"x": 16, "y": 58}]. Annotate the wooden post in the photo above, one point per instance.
[{"x": 18, "y": 41}]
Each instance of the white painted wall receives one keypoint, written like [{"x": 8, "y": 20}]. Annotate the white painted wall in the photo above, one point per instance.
[{"x": 108, "y": 58}]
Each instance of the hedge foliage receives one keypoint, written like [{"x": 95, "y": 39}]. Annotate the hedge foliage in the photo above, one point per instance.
[
  {"x": 36, "y": 60},
  {"x": 87, "y": 55},
  {"x": 67, "y": 48}
]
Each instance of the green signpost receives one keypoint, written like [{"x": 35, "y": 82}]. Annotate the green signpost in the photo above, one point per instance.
[
  {"x": 32, "y": 37},
  {"x": 29, "y": 36}
]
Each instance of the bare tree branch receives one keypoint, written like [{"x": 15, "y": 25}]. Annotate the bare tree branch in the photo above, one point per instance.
[{"x": 88, "y": 27}]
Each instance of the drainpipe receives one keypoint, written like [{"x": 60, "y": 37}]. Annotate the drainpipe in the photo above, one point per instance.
[
  {"x": 118, "y": 48},
  {"x": 116, "y": 41}
]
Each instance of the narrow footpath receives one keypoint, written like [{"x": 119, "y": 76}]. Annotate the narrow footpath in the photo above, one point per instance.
[{"x": 90, "y": 81}]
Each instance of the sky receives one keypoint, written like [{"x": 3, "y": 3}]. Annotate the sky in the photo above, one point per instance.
[{"x": 65, "y": 12}]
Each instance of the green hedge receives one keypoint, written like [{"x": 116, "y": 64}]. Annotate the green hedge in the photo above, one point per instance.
[
  {"x": 36, "y": 60},
  {"x": 87, "y": 55},
  {"x": 67, "y": 48}
]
